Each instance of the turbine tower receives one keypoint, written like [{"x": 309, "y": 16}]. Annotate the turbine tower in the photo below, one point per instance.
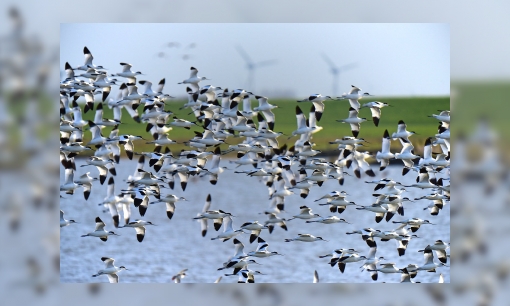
[
  {"x": 251, "y": 66},
  {"x": 335, "y": 71}
]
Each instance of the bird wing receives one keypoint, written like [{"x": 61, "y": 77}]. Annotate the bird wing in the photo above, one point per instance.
[
  {"x": 126, "y": 209},
  {"x": 401, "y": 127},
  {"x": 114, "y": 212},
  {"x": 269, "y": 115},
  {"x": 301, "y": 119},
  {"x": 161, "y": 84},
  {"x": 108, "y": 261},
  {"x": 427, "y": 149},
  {"x": 376, "y": 115},
  {"x": 315, "y": 277},
  {"x": 408, "y": 163},
  {"x": 355, "y": 127},
  {"x": 140, "y": 230},
  {"x": 125, "y": 67},
  {"x": 312, "y": 119},
  {"x": 355, "y": 105},
  {"x": 239, "y": 249},
  {"x": 215, "y": 160},
  {"x": 170, "y": 209},
  {"x": 247, "y": 104},
  {"x": 376, "y": 112},
  {"x": 228, "y": 224},
  {"x": 99, "y": 225},
  {"x": 113, "y": 278},
  {"x": 386, "y": 142},
  {"x": 203, "y": 226},
  {"x": 429, "y": 256},
  {"x": 407, "y": 147},
  {"x": 88, "y": 56}
]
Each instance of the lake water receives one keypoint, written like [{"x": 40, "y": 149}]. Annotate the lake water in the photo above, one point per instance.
[{"x": 177, "y": 244}]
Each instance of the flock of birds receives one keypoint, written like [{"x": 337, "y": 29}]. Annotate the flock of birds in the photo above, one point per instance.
[{"x": 285, "y": 171}]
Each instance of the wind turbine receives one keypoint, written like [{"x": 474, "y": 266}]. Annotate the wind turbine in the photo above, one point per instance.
[
  {"x": 335, "y": 71},
  {"x": 251, "y": 66}
]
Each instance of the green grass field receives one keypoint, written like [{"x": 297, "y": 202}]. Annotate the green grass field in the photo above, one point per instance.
[{"x": 414, "y": 111}]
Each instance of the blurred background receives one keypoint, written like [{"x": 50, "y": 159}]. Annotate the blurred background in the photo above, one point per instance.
[
  {"x": 277, "y": 60},
  {"x": 480, "y": 78}
]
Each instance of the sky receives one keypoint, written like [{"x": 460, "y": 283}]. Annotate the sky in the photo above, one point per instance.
[
  {"x": 477, "y": 51},
  {"x": 385, "y": 59}
]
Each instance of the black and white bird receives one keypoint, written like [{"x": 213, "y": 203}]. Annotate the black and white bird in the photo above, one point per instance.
[
  {"x": 170, "y": 200},
  {"x": 302, "y": 124},
  {"x": 193, "y": 79},
  {"x": 440, "y": 248},
  {"x": 139, "y": 226},
  {"x": 110, "y": 270},
  {"x": 385, "y": 154},
  {"x": 203, "y": 221},
  {"x": 266, "y": 108},
  {"x": 305, "y": 213},
  {"x": 318, "y": 102},
  {"x": 228, "y": 231},
  {"x": 414, "y": 223},
  {"x": 64, "y": 222},
  {"x": 88, "y": 61},
  {"x": 305, "y": 238},
  {"x": 99, "y": 231},
  {"x": 274, "y": 220},
  {"x": 406, "y": 155},
  {"x": 354, "y": 121},
  {"x": 342, "y": 261},
  {"x": 375, "y": 108},
  {"x": 354, "y": 95},
  {"x": 443, "y": 116},
  {"x": 370, "y": 263},
  {"x": 110, "y": 202},
  {"x": 328, "y": 220},
  {"x": 246, "y": 275},
  {"x": 255, "y": 227},
  {"x": 127, "y": 73},
  {"x": 261, "y": 250},
  {"x": 429, "y": 264},
  {"x": 402, "y": 133},
  {"x": 177, "y": 277}
]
